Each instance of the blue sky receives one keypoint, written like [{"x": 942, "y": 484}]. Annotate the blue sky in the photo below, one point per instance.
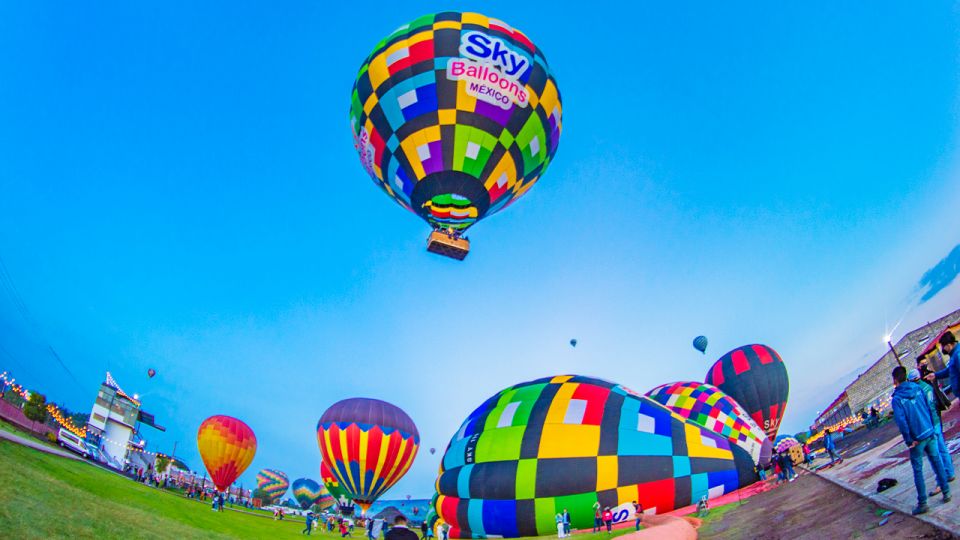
[{"x": 179, "y": 190}]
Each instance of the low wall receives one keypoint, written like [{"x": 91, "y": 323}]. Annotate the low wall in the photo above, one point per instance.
[{"x": 15, "y": 416}]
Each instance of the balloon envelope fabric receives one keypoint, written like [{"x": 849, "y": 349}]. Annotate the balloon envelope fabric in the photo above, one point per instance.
[
  {"x": 227, "y": 447},
  {"x": 785, "y": 443},
  {"x": 272, "y": 482},
  {"x": 455, "y": 116},
  {"x": 706, "y": 405},
  {"x": 756, "y": 377},
  {"x": 307, "y": 492},
  {"x": 568, "y": 442},
  {"x": 368, "y": 445}
]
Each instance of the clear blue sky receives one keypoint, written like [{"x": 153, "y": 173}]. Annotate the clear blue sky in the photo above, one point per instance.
[{"x": 179, "y": 190}]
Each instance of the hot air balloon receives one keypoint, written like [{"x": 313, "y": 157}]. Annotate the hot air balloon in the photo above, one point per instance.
[
  {"x": 573, "y": 343},
  {"x": 227, "y": 447},
  {"x": 340, "y": 496},
  {"x": 569, "y": 442},
  {"x": 785, "y": 442},
  {"x": 455, "y": 116},
  {"x": 368, "y": 445},
  {"x": 151, "y": 372},
  {"x": 700, "y": 344},
  {"x": 708, "y": 406},
  {"x": 307, "y": 492},
  {"x": 272, "y": 482},
  {"x": 433, "y": 451},
  {"x": 756, "y": 377}
]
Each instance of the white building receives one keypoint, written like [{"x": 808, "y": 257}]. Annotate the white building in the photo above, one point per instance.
[{"x": 114, "y": 421}]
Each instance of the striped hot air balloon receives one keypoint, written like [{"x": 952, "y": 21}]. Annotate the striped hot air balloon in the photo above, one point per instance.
[
  {"x": 308, "y": 492},
  {"x": 273, "y": 483},
  {"x": 368, "y": 445},
  {"x": 756, "y": 377},
  {"x": 227, "y": 447}
]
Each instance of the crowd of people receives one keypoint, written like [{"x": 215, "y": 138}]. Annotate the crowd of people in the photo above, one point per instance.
[{"x": 918, "y": 402}]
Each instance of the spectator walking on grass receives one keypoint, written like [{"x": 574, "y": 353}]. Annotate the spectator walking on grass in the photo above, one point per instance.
[
  {"x": 608, "y": 519},
  {"x": 309, "y": 528},
  {"x": 915, "y": 420}
]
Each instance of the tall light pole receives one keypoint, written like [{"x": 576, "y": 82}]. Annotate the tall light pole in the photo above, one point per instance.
[{"x": 893, "y": 350}]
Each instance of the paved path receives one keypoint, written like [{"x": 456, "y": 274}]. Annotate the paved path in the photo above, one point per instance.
[
  {"x": 32, "y": 443},
  {"x": 889, "y": 459}
]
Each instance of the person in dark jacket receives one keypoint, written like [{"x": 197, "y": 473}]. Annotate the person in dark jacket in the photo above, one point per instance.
[
  {"x": 914, "y": 376},
  {"x": 948, "y": 344},
  {"x": 915, "y": 420},
  {"x": 399, "y": 531}
]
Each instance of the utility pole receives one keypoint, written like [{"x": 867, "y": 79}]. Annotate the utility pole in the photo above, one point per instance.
[
  {"x": 894, "y": 351},
  {"x": 174, "y": 449}
]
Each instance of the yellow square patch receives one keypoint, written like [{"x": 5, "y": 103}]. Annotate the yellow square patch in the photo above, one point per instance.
[
  {"x": 448, "y": 117},
  {"x": 607, "y": 470},
  {"x": 450, "y": 25},
  {"x": 569, "y": 440}
]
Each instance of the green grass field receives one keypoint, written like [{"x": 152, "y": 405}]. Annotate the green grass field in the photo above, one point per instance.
[{"x": 45, "y": 496}]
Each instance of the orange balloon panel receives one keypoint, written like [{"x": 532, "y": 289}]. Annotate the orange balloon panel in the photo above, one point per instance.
[{"x": 227, "y": 447}]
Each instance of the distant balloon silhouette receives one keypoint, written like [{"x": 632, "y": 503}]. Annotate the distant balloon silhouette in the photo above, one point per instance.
[
  {"x": 573, "y": 343},
  {"x": 433, "y": 451},
  {"x": 151, "y": 372},
  {"x": 700, "y": 344}
]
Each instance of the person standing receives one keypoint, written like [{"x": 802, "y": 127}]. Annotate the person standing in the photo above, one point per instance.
[
  {"x": 597, "y": 521},
  {"x": 948, "y": 344},
  {"x": 424, "y": 529},
  {"x": 608, "y": 519},
  {"x": 637, "y": 513},
  {"x": 399, "y": 531},
  {"x": 560, "y": 528},
  {"x": 914, "y": 376},
  {"x": 831, "y": 447},
  {"x": 309, "y": 528},
  {"x": 566, "y": 522},
  {"x": 914, "y": 419},
  {"x": 788, "y": 467}
]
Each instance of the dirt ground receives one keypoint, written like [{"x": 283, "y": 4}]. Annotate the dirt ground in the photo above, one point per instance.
[{"x": 812, "y": 508}]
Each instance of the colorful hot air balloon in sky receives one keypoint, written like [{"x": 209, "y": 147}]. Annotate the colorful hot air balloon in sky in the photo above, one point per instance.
[
  {"x": 455, "y": 116},
  {"x": 307, "y": 492},
  {"x": 227, "y": 447},
  {"x": 756, "y": 377},
  {"x": 708, "y": 406},
  {"x": 700, "y": 344},
  {"x": 151, "y": 372},
  {"x": 368, "y": 445},
  {"x": 272, "y": 482},
  {"x": 560, "y": 442}
]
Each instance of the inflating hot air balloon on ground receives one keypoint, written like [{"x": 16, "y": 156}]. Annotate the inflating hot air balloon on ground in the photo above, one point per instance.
[
  {"x": 273, "y": 483},
  {"x": 756, "y": 377},
  {"x": 708, "y": 406},
  {"x": 568, "y": 442},
  {"x": 785, "y": 442},
  {"x": 455, "y": 116},
  {"x": 227, "y": 447},
  {"x": 368, "y": 445},
  {"x": 308, "y": 492}
]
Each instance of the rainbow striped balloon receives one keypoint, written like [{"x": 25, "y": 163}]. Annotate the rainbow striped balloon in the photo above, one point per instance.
[
  {"x": 272, "y": 482},
  {"x": 308, "y": 492},
  {"x": 368, "y": 445},
  {"x": 227, "y": 447}
]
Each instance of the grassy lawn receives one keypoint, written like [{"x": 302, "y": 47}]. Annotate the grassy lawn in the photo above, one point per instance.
[{"x": 46, "y": 496}]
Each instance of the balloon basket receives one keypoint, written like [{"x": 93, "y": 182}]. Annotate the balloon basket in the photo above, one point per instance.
[{"x": 443, "y": 244}]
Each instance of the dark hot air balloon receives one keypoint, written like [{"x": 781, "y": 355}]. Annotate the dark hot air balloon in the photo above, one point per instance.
[
  {"x": 573, "y": 343},
  {"x": 151, "y": 372},
  {"x": 700, "y": 344},
  {"x": 455, "y": 116},
  {"x": 756, "y": 377}
]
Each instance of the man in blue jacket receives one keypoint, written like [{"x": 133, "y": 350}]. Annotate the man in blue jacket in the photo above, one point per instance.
[
  {"x": 914, "y": 418},
  {"x": 914, "y": 376},
  {"x": 831, "y": 447},
  {"x": 948, "y": 344}
]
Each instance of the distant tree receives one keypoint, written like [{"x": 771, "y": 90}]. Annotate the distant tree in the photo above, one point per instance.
[
  {"x": 802, "y": 437},
  {"x": 36, "y": 408},
  {"x": 262, "y": 495},
  {"x": 163, "y": 463}
]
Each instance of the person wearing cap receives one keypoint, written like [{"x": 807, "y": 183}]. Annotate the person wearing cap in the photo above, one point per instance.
[
  {"x": 914, "y": 376},
  {"x": 914, "y": 418},
  {"x": 948, "y": 344}
]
